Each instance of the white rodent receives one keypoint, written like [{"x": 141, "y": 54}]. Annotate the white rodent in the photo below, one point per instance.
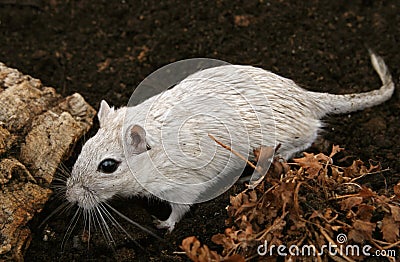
[{"x": 160, "y": 147}]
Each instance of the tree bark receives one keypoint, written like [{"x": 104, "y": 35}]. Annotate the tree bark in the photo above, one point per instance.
[{"x": 38, "y": 130}]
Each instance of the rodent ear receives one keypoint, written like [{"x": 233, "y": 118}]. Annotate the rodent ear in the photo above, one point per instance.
[
  {"x": 104, "y": 110},
  {"x": 137, "y": 140}
]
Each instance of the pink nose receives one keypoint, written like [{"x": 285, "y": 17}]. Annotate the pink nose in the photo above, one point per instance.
[
  {"x": 76, "y": 194},
  {"x": 81, "y": 195}
]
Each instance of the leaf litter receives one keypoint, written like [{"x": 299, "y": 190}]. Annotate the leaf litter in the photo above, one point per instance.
[{"x": 311, "y": 201}]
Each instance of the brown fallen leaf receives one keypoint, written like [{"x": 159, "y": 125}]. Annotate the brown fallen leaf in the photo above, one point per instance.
[
  {"x": 355, "y": 169},
  {"x": 289, "y": 207},
  {"x": 350, "y": 202},
  {"x": 395, "y": 211},
  {"x": 335, "y": 149},
  {"x": 365, "y": 212},
  {"x": 337, "y": 173},
  {"x": 196, "y": 252},
  {"x": 396, "y": 190},
  {"x": 362, "y": 231},
  {"x": 366, "y": 192},
  {"x": 310, "y": 163},
  {"x": 390, "y": 229},
  {"x": 223, "y": 240}
]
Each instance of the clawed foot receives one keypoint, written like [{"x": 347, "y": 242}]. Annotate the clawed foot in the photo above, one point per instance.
[
  {"x": 166, "y": 224},
  {"x": 178, "y": 210}
]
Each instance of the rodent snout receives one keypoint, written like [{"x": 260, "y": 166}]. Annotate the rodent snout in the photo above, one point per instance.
[{"x": 81, "y": 195}]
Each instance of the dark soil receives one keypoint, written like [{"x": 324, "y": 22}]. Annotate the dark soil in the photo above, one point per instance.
[{"x": 103, "y": 49}]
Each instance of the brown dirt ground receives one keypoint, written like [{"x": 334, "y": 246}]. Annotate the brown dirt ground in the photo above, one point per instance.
[{"x": 103, "y": 49}]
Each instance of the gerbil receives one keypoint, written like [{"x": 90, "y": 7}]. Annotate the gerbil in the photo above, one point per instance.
[{"x": 161, "y": 148}]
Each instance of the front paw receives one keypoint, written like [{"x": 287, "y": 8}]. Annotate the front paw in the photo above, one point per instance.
[{"x": 166, "y": 224}]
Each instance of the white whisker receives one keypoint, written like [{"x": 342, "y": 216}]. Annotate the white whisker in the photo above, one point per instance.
[
  {"x": 59, "y": 210},
  {"x": 105, "y": 229},
  {"x": 90, "y": 222},
  {"x": 133, "y": 222},
  {"x": 71, "y": 226},
  {"x": 118, "y": 225},
  {"x": 64, "y": 172}
]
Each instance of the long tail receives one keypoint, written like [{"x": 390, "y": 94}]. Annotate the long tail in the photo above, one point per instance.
[{"x": 340, "y": 104}]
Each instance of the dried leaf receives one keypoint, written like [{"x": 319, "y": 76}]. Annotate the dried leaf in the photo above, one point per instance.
[
  {"x": 335, "y": 149},
  {"x": 381, "y": 199},
  {"x": 396, "y": 190},
  {"x": 395, "y": 211},
  {"x": 356, "y": 169},
  {"x": 365, "y": 212},
  {"x": 218, "y": 239},
  {"x": 361, "y": 231},
  {"x": 277, "y": 169},
  {"x": 196, "y": 252},
  {"x": 284, "y": 194},
  {"x": 390, "y": 229},
  {"x": 253, "y": 196},
  {"x": 374, "y": 168},
  {"x": 366, "y": 192},
  {"x": 277, "y": 210},
  {"x": 222, "y": 239},
  {"x": 310, "y": 163},
  {"x": 336, "y": 173},
  {"x": 323, "y": 158},
  {"x": 364, "y": 226},
  {"x": 236, "y": 201},
  {"x": 350, "y": 202}
]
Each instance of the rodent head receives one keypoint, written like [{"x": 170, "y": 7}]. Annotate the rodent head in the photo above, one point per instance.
[{"x": 101, "y": 170}]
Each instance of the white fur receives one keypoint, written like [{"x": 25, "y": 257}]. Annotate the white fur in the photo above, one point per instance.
[{"x": 242, "y": 106}]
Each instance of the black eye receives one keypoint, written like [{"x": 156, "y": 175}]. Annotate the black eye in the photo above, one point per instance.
[{"x": 108, "y": 166}]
